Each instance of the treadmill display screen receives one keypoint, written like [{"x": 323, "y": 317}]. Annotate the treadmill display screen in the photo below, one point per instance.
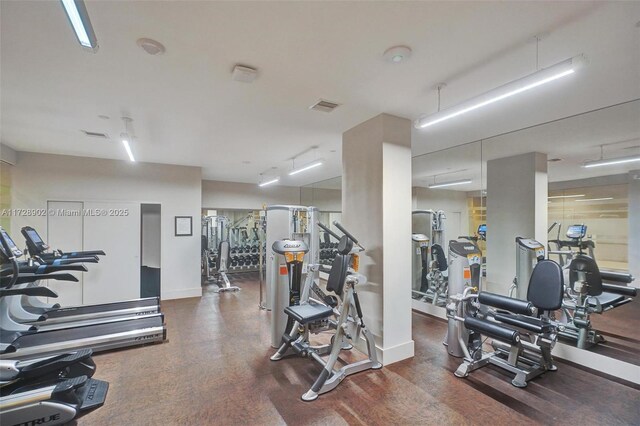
[
  {"x": 482, "y": 229},
  {"x": 12, "y": 246},
  {"x": 34, "y": 236},
  {"x": 577, "y": 231}
]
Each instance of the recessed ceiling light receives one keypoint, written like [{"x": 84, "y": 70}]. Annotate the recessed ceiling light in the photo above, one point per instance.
[
  {"x": 397, "y": 54},
  {"x": 152, "y": 47}
]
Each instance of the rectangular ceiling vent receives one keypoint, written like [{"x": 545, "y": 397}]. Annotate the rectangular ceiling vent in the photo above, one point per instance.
[
  {"x": 324, "y": 106},
  {"x": 96, "y": 134}
]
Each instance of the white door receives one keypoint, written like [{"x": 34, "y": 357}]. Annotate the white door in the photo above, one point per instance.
[
  {"x": 64, "y": 232},
  {"x": 116, "y": 230}
]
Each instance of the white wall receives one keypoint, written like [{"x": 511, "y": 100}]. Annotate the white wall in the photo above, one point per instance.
[
  {"x": 235, "y": 195},
  {"x": 634, "y": 225},
  {"x": 41, "y": 177}
]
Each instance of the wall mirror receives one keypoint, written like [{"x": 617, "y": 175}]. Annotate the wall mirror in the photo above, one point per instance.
[
  {"x": 590, "y": 211},
  {"x": 447, "y": 205}
]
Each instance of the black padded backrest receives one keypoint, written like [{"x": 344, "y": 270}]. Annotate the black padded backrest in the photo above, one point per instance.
[
  {"x": 338, "y": 273},
  {"x": 546, "y": 286},
  {"x": 583, "y": 264},
  {"x": 438, "y": 254}
]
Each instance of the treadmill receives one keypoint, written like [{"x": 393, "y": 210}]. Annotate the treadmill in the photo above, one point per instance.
[
  {"x": 33, "y": 310},
  {"x": 29, "y": 344}
]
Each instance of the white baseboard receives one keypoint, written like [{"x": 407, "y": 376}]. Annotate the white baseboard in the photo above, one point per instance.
[
  {"x": 182, "y": 294},
  {"x": 429, "y": 309},
  {"x": 389, "y": 355},
  {"x": 396, "y": 353},
  {"x": 604, "y": 364}
]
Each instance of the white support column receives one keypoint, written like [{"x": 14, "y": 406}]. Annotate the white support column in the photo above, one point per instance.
[
  {"x": 634, "y": 226},
  {"x": 376, "y": 208},
  {"x": 517, "y": 190}
]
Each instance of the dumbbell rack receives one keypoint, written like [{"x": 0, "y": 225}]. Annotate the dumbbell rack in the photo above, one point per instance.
[
  {"x": 244, "y": 258},
  {"x": 328, "y": 252}
]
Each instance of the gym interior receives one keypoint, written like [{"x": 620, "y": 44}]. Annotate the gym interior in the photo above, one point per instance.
[{"x": 365, "y": 213}]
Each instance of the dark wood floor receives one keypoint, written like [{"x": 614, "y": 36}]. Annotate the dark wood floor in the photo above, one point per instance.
[{"x": 215, "y": 369}]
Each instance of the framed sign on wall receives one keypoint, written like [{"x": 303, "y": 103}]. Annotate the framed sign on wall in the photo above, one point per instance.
[{"x": 184, "y": 226}]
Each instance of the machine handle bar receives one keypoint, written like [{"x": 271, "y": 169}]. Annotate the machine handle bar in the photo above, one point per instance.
[
  {"x": 344, "y": 231},
  {"x": 329, "y": 231}
]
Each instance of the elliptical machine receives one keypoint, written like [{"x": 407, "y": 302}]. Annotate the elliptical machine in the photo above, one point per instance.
[{"x": 340, "y": 312}]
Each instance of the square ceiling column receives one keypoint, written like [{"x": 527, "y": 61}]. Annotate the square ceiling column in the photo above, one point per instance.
[{"x": 376, "y": 209}]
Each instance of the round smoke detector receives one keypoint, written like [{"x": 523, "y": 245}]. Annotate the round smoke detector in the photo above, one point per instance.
[
  {"x": 397, "y": 54},
  {"x": 150, "y": 46}
]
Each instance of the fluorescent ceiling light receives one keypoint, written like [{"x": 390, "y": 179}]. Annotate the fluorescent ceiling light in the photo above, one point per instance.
[
  {"x": 305, "y": 168},
  {"x": 566, "y": 196},
  {"x": 269, "y": 182},
  {"x": 452, "y": 183},
  {"x": 611, "y": 161},
  {"x": 538, "y": 78},
  {"x": 595, "y": 199},
  {"x": 79, "y": 18},
  {"x": 125, "y": 142}
]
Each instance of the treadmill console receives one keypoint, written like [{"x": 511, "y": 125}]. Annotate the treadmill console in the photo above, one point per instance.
[
  {"x": 482, "y": 231},
  {"x": 34, "y": 243},
  {"x": 12, "y": 246},
  {"x": 577, "y": 232}
]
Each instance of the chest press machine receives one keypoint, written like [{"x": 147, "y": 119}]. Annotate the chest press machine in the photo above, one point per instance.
[{"x": 340, "y": 313}]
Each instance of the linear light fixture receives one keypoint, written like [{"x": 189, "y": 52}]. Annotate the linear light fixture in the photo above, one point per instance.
[
  {"x": 595, "y": 199},
  {"x": 305, "y": 168},
  {"x": 269, "y": 182},
  {"x": 611, "y": 161},
  {"x": 565, "y": 196},
  {"x": 125, "y": 142},
  {"x": 79, "y": 19},
  {"x": 538, "y": 78},
  {"x": 452, "y": 183}
]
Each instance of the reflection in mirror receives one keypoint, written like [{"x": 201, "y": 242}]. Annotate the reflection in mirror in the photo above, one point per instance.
[
  {"x": 326, "y": 195},
  {"x": 447, "y": 206},
  {"x": 592, "y": 215},
  {"x": 231, "y": 241}
]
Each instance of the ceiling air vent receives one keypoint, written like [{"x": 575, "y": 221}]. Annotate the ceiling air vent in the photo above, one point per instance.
[
  {"x": 96, "y": 134},
  {"x": 324, "y": 106}
]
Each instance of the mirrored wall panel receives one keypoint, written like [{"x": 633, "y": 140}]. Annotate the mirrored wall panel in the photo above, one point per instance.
[
  {"x": 572, "y": 186},
  {"x": 447, "y": 206},
  {"x": 326, "y": 195}
]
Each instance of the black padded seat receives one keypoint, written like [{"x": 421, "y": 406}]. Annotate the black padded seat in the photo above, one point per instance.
[
  {"x": 309, "y": 312},
  {"x": 532, "y": 324}
]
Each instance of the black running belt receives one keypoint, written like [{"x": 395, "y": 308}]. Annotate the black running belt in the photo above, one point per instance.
[
  {"x": 151, "y": 302},
  {"x": 87, "y": 331}
]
